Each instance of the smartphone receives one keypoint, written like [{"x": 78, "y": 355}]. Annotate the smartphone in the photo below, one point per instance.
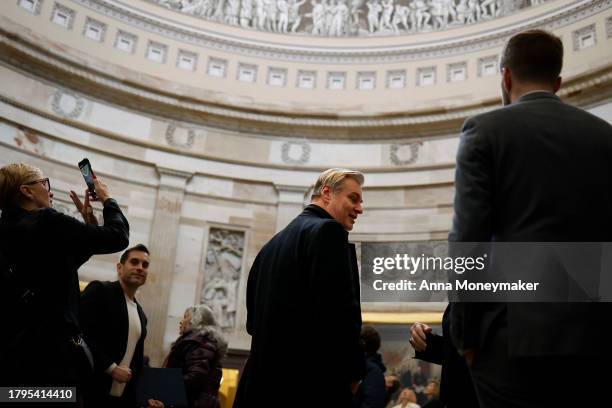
[{"x": 88, "y": 175}]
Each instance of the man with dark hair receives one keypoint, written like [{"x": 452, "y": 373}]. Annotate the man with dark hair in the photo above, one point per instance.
[
  {"x": 303, "y": 309},
  {"x": 537, "y": 170},
  {"x": 115, "y": 327}
]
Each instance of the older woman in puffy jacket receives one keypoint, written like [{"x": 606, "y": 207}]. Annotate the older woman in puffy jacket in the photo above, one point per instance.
[{"x": 198, "y": 353}]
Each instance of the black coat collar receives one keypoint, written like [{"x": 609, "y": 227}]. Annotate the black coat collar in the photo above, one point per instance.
[{"x": 313, "y": 209}]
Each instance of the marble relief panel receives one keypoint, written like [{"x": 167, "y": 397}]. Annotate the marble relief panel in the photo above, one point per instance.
[{"x": 221, "y": 270}]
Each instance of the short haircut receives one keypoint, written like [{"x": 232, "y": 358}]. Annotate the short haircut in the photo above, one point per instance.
[
  {"x": 12, "y": 177},
  {"x": 126, "y": 254},
  {"x": 370, "y": 339},
  {"x": 334, "y": 179},
  {"x": 534, "y": 56}
]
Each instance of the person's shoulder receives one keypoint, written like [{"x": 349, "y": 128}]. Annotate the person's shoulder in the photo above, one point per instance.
[
  {"x": 589, "y": 119},
  {"x": 492, "y": 116},
  {"x": 330, "y": 226},
  {"x": 96, "y": 286}
]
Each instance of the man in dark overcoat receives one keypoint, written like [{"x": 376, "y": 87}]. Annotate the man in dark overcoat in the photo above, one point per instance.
[{"x": 304, "y": 314}]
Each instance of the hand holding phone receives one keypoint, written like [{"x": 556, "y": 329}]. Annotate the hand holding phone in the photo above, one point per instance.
[
  {"x": 89, "y": 177},
  {"x": 98, "y": 191}
]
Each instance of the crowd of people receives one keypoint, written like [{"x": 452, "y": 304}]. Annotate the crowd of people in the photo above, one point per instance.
[
  {"x": 94, "y": 341},
  {"x": 535, "y": 170}
]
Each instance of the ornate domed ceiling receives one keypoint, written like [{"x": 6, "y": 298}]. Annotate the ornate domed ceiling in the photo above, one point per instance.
[
  {"x": 343, "y": 18},
  {"x": 229, "y": 63}
]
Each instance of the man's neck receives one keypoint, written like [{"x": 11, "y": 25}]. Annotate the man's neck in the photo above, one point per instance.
[
  {"x": 525, "y": 89},
  {"x": 129, "y": 291}
]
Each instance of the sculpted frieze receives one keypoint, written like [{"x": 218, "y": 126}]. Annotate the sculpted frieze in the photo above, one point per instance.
[{"x": 338, "y": 18}]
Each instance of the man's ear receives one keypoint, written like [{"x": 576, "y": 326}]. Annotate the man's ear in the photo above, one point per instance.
[
  {"x": 507, "y": 80},
  {"x": 557, "y": 85},
  {"x": 118, "y": 267},
  {"x": 326, "y": 194}
]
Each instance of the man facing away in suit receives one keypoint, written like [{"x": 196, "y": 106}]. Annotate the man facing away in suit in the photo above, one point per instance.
[
  {"x": 536, "y": 170},
  {"x": 304, "y": 314},
  {"x": 115, "y": 327}
]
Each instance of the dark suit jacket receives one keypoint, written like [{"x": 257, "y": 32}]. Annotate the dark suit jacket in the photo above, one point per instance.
[
  {"x": 47, "y": 248},
  {"x": 304, "y": 317},
  {"x": 535, "y": 170},
  {"x": 456, "y": 388},
  {"x": 104, "y": 319}
]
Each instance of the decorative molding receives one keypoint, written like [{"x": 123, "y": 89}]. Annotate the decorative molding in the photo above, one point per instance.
[
  {"x": 286, "y": 155},
  {"x": 171, "y": 139},
  {"x": 300, "y": 79},
  {"x": 609, "y": 27},
  {"x": 162, "y": 48},
  {"x": 391, "y": 84},
  {"x": 61, "y": 98},
  {"x": 33, "y": 6},
  {"x": 90, "y": 22},
  {"x": 578, "y": 35},
  {"x": 341, "y": 19},
  {"x": 59, "y": 9},
  {"x": 23, "y": 56},
  {"x": 187, "y": 55},
  {"x": 332, "y": 76},
  {"x": 129, "y": 37},
  {"x": 398, "y": 151},
  {"x": 422, "y": 72},
  {"x": 242, "y": 67},
  {"x": 272, "y": 71},
  {"x": 214, "y": 62},
  {"x": 365, "y": 75},
  {"x": 482, "y": 62},
  {"x": 451, "y": 67},
  {"x": 567, "y": 13}
]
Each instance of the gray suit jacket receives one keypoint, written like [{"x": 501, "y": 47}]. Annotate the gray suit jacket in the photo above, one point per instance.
[{"x": 536, "y": 170}]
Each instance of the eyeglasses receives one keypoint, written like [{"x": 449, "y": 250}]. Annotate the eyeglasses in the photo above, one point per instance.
[{"x": 45, "y": 182}]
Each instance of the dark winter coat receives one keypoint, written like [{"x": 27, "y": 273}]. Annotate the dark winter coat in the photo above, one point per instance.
[
  {"x": 46, "y": 248},
  {"x": 304, "y": 317},
  {"x": 197, "y": 355},
  {"x": 372, "y": 392}
]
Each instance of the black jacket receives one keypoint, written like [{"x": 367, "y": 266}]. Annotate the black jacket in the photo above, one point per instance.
[
  {"x": 104, "y": 318},
  {"x": 456, "y": 388},
  {"x": 47, "y": 248},
  {"x": 372, "y": 392},
  {"x": 304, "y": 317},
  {"x": 537, "y": 170}
]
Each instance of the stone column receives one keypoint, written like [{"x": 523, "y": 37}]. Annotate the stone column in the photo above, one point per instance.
[
  {"x": 154, "y": 295},
  {"x": 290, "y": 203}
]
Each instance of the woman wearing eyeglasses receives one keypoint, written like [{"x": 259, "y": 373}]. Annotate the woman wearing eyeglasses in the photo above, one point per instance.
[{"x": 40, "y": 343}]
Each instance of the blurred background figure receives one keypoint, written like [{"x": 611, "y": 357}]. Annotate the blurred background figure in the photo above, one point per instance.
[
  {"x": 407, "y": 399},
  {"x": 198, "y": 353},
  {"x": 372, "y": 392},
  {"x": 41, "y": 343},
  {"x": 432, "y": 392},
  {"x": 392, "y": 385}
]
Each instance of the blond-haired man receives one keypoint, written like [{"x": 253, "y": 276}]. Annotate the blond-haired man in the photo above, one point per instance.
[{"x": 303, "y": 305}]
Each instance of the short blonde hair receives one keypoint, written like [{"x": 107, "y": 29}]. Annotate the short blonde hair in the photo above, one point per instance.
[
  {"x": 334, "y": 179},
  {"x": 13, "y": 176}
]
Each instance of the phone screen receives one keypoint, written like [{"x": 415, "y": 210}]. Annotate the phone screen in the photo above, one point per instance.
[{"x": 88, "y": 175}]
